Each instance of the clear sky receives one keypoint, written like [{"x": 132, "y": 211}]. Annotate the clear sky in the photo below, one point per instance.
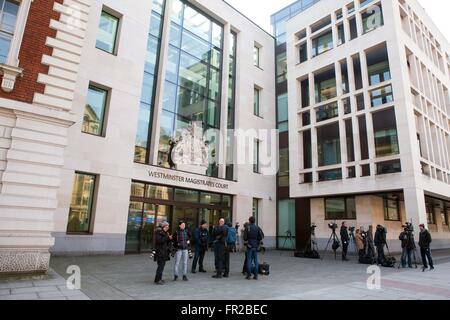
[{"x": 260, "y": 10}]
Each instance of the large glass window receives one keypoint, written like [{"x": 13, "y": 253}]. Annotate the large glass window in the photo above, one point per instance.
[
  {"x": 378, "y": 65},
  {"x": 391, "y": 209},
  {"x": 8, "y": 17},
  {"x": 372, "y": 18},
  {"x": 255, "y": 209},
  {"x": 326, "y": 112},
  {"x": 325, "y": 85},
  {"x": 193, "y": 78},
  {"x": 231, "y": 107},
  {"x": 322, "y": 43},
  {"x": 256, "y": 164},
  {"x": 340, "y": 209},
  {"x": 328, "y": 145},
  {"x": 381, "y": 96},
  {"x": 80, "y": 213},
  {"x": 107, "y": 32},
  {"x": 94, "y": 111},
  {"x": 281, "y": 67},
  {"x": 256, "y": 102},
  {"x": 149, "y": 83},
  {"x": 385, "y": 131},
  {"x": 286, "y": 230}
]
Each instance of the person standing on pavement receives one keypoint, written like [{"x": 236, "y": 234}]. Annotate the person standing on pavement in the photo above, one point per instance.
[
  {"x": 359, "y": 243},
  {"x": 219, "y": 242},
  {"x": 162, "y": 240},
  {"x": 230, "y": 247},
  {"x": 253, "y": 236},
  {"x": 181, "y": 241},
  {"x": 424, "y": 244},
  {"x": 201, "y": 237},
  {"x": 345, "y": 240}
]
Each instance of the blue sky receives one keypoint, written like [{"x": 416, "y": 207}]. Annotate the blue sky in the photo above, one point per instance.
[{"x": 260, "y": 11}]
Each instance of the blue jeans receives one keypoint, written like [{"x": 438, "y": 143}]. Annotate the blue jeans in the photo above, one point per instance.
[
  {"x": 252, "y": 257},
  {"x": 181, "y": 256},
  {"x": 407, "y": 255}
]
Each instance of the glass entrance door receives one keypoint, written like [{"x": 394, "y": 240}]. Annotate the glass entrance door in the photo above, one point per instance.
[
  {"x": 188, "y": 215},
  {"x": 134, "y": 226},
  {"x": 148, "y": 227}
]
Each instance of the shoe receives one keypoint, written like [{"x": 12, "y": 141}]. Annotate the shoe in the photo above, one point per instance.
[
  {"x": 185, "y": 278},
  {"x": 217, "y": 276},
  {"x": 424, "y": 268},
  {"x": 225, "y": 275},
  {"x": 163, "y": 282},
  {"x": 432, "y": 268},
  {"x": 248, "y": 277},
  {"x": 160, "y": 283},
  {"x": 193, "y": 271},
  {"x": 202, "y": 271},
  {"x": 255, "y": 278},
  {"x": 175, "y": 278}
]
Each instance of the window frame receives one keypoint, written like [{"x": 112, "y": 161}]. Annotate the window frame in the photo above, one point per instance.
[
  {"x": 92, "y": 206},
  {"x": 105, "y": 114},
  {"x": 386, "y": 209},
  {"x": 114, "y": 14},
  {"x": 346, "y": 207}
]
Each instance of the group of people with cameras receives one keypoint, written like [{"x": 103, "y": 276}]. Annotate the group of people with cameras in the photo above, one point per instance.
[
  {"x": 222, "y": 239},
  {"x": 366, "y": 244}
]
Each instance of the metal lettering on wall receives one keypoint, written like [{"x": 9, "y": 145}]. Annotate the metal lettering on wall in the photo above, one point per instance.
[{"x": 185, "y": 179}]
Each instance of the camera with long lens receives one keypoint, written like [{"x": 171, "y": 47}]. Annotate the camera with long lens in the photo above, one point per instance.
[
  {"x": 332, "y": 226},
  {"x": 351, "y": 229},
  {"x": 408, "y": 227}
]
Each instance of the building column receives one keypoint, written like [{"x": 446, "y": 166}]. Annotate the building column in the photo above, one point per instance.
[{"x": 415, "y": 208}]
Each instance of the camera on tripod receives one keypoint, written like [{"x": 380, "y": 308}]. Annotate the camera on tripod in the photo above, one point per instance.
[
  {"x": 333, "y": 226},
  {"x": 408, "y": 227},
  {"x": 351, "y": 229}
]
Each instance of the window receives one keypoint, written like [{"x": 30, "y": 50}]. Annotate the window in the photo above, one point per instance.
[
  {"x": 330, "y": 175},
  {"x": 304, "y": 87},
  {"x": 372, "y": 18},
  {"x": 303, "y": 53},
  {"x": 281, "y": 67},
  {"x": 381, "y": 96},
  {"x": 391, "y": 209},
  {"x": 364, "y": 144},
  {"x": 286, "y": 224},
  {"x": 322, "y": 43},
  {"x": 107, "y": 32},
  {"x": 80, "y": 213},
  {"x": 353, "y": 28},
  {"x": 344, "y": 75},
  {"x": 307, "y": 150},
  {"x": 325, "y": 85},
  {"x": 256, "y": 164},
  {"x": 256, "y": 102},
  {"x": 350, "y": 141},
  {"x": 8, "y": 17},
  {"x": 328, "y": 145},
  {"x": 94, "y": 111},
  {"x": 326, "y": 112},
  {"x": 389, "y": 167},
  {"x": 378, "y": 66},
  {"x": 255, "y": 210},
  {"x": 360, "y": 103},
  {"x": 385, "y": 131},
  {"x": 431, "y": 218},
  {"x": 445, "y": 214},
  {"x": 340, "y": 209},
  {"x": 341, "y": 34},
  {"x": 257, "y": 56}
]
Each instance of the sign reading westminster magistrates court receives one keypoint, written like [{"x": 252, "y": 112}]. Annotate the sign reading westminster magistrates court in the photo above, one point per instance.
[{"x": 185, "y": 179}]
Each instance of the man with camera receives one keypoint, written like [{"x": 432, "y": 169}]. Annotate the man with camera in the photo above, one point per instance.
[
  {"x": 345, "y": 239},
  {"x": 408, "y": 246},
  {"x": 201, "y": 237},
  {"x": 379, "y": 242},
  {"x": 162, "y": 240},
  {"x": 424, "y": 244},
  {"x": 181, "y": 241},
  {"x": 219, "y": 234}
]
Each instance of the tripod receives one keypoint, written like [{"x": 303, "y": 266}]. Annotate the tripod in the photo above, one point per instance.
[
  {"x": 289, "y": 239},
  {"x": 312, "y": 249},
  {"x": 336, "y": 242}
]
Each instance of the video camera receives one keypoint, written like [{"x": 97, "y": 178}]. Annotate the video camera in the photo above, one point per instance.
[
  {"x": 408, "y": 227},
  {"x": 333, "y": 226},
  {"x": 351, "y": 229}
]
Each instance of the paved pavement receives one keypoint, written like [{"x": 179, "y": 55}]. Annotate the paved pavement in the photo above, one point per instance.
[{"x": 131, "y": 278}]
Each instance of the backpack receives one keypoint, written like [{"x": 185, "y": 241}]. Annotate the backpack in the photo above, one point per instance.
[
  {"x": 231, "y": 237},
  {"x": 264, "y": 269},
  {"x": 389, "y": 262}
]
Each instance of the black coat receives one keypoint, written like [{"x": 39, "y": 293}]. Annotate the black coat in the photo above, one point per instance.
[
  {"x": 424, "y": 239},
  {"x": 380, "y": 238},
  {"x": 344, "y": 234},
  {"x": 162, "y": 245},
  {"x": 407, "y": 240},
  {"x": 220, "y": 234}
]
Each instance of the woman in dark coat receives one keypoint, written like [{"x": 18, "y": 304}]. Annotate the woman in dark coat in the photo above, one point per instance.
[{"x": 162, "y": 240}]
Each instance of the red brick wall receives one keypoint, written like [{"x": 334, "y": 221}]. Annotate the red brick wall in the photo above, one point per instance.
[{"x": 33, "y": 47}]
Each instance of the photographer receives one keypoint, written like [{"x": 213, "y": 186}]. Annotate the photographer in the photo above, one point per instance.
[
  {"x": 162, "y": 240},
  {"x": 379, "y": 242},
  {"x": 181, "y": 241},
  {"x": 201, "y": 237},
  {"x": 408, "y": 245},
  {"x": 424, "y": 244},
  {"x": 345, "y": 240}
]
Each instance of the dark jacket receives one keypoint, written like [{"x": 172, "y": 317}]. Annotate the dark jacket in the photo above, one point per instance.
[
  {"x": 424, "y": 239},
  {"x": 407, "y": 240},
  {"x": 201, "y": 237},
  {"x": 253, "y": 235},
  {"x": 380, "y": 238},
  {"x": 180, "y": 239},
  {"x": 162, "y": 245},
  {"x": 344, "y": 234},
  {"x": 220, "y": 234}
]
